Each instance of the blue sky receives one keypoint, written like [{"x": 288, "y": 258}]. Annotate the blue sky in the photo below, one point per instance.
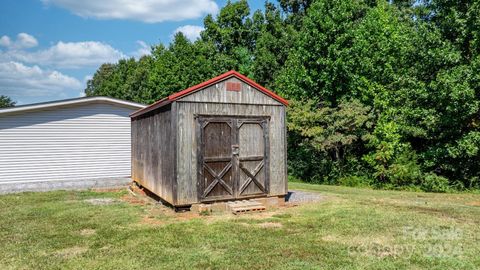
[{"x": 49, "y": 48}]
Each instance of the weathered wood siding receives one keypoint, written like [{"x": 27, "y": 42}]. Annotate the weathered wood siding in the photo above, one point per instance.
[
  {"x": 153, "y": 156},
  {"x": 187, "y": 142},
  {"x": 217, "y": 93}
]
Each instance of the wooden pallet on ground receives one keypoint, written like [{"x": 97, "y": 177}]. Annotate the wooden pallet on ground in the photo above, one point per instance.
[{"x": 245, "y": 206}]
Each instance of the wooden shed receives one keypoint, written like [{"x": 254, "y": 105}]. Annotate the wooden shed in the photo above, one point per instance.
[{"x": 224, "y": 139}]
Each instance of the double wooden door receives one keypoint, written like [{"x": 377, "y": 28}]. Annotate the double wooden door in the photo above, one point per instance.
[{"x": 232, "y": 157}]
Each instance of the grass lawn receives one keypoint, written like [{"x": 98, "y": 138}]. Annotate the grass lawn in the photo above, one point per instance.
[{"x": 350, "y": 229}]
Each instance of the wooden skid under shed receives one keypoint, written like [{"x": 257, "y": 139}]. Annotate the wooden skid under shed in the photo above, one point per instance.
[{"x": 245, "y": 206}]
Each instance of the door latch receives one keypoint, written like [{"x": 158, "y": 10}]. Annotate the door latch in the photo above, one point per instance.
[{"x": 235, "y": 150}]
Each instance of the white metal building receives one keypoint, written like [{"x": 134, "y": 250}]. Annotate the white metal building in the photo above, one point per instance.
[{"x": 75, "y": 143}]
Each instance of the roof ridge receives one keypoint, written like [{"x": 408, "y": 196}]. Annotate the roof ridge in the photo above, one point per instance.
[{"x": 71, "y": 101}]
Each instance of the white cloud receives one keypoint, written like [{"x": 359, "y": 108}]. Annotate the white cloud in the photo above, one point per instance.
[
  {"x": 23, "y": 41},
  {"x": 143, "y": 49},
  {"x": 19, "y": 80},
  {"x": 77, "y": 54},
  {"x": 29, "y": 75},
  {"x": 67, "y": 55},
  {"x": 192, "y": 32},
  {"x": 5, "y": 41},
  {"x": 150, "y": 11}
]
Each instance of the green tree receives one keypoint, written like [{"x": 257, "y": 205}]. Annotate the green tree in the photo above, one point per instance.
[
  {"x": 115, "y": 80},
  {"x": 295, "y": 11},
  {"x": 459, "y": 22},
  {"x": 6, "y": 102},
  {"x": 181, "y": 65},
  {"x": 233, "y": 34},
  {"x": 312, "y": 71},
  {"x": 275, "y": 40},
  {"x": 338, "y": 133}
]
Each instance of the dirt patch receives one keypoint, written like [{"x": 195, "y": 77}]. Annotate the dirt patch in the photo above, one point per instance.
[
  {"x": 101, "y": 201},
  {"x": 258, "y": 215},
  {"x": 71, "y": 251},
  {"x": 139, "y": 196},
  {"x": 187, "y": 215},
  {"x": 133, "y": 188},
  {"x": 474, "y": 203},
  {"x": 161, "y": 220},
  {"x": 87, "y": 232},
  {"x": 157, "y": 214},
  {"x": 133, "y": 200}
]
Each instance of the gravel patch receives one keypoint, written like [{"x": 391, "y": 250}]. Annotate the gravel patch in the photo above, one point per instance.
[{"x": 297, "y": 196}]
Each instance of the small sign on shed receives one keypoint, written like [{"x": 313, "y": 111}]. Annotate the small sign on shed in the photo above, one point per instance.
[
  {"x": 224, "y": 139},
  {"x": 234, "y": 86}
]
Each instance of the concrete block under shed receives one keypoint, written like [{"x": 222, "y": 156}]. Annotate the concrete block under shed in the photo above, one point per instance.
[
  {"x": 271, "y": 202},
  {"x": 211, "y": 207}
]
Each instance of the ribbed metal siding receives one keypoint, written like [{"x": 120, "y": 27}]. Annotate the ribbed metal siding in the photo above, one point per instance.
[{"x": 91, "y": 141}]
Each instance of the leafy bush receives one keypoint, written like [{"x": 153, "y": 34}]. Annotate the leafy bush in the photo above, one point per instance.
[
  {"x": 355, "y": 181},
  {"x": 434, "y": 183},
  {"x": 324, "y": 142},
  {"x": 405, "y": 171},
  {"x": 292, "y": 178}
]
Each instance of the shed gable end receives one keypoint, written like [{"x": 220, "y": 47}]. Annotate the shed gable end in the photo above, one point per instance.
[{"x": 231, "y": 90}]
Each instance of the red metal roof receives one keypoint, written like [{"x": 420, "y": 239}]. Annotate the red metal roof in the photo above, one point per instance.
[{"x": 231, "y": 73}]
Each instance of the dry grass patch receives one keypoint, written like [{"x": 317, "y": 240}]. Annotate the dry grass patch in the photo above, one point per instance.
[
  {"x": 87, "y": 232},
  {"x": 270, "y": 225},
  {"x": 474, "y": 203},
  {"x": 101, "y": 201},
  {"x": 71, "y": 252}
]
